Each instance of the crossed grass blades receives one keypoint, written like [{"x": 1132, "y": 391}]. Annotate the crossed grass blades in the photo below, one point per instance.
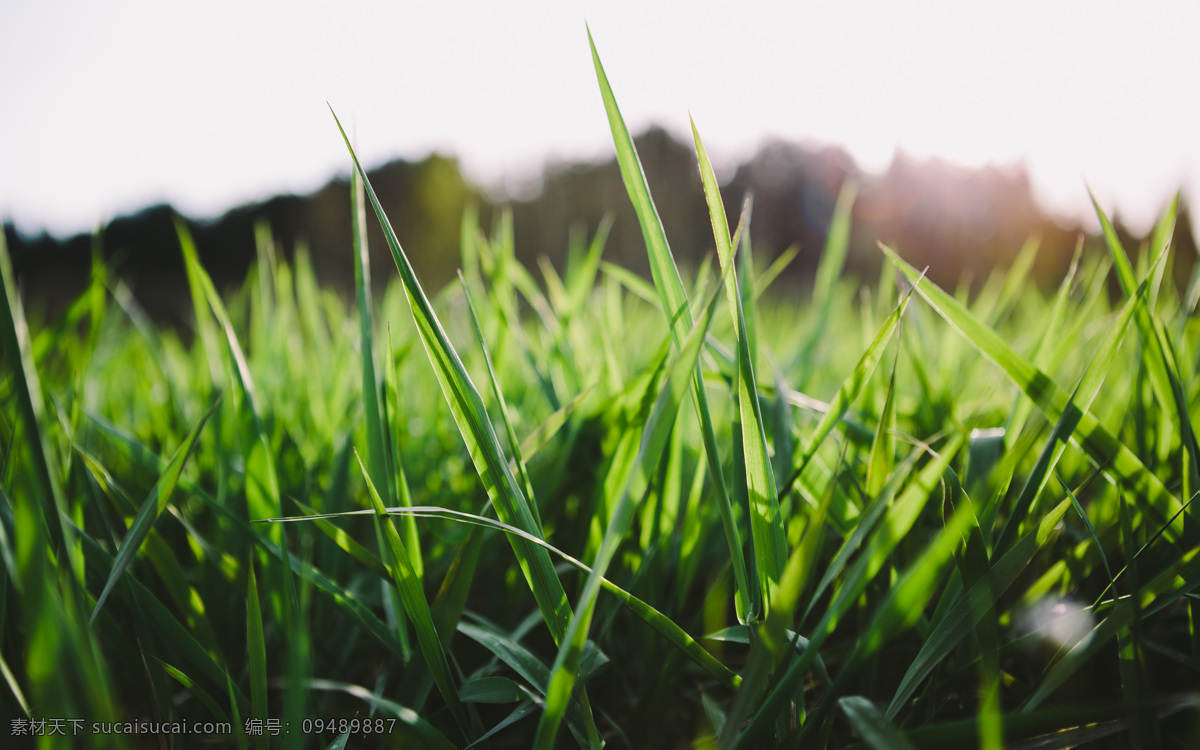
[{"x": 685, "y": 513}]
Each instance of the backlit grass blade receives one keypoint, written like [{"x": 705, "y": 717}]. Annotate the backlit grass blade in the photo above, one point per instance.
[
  {"x": 634, "y": 283},
  {"x": 14, "y": 687},
  {"x": 1052, "y": 333},
  {"x": 882, "y": 456},
  {"x": 963, "y": 618},
  {"x": 829, "y": 271},
  {"x": 51, "y": 500},
  {"x": 1154, "y": 360},
  {"x": 195, "y": 689},
  {"x": 766, "y": 523},
  {"x": 662, "y": 624},
  {"x": 539, "y": 436},
  {"x": 847, "y": 394},
  {"x": 764, "y": 281},
  {"x": 152, "y": 507},
  {"x": 417, "y": 607},
  {"x": 467, "y": 407},
  {"x": 1157, "y": 347},
  {"x": 895, "y": 525},
  {"x": 518, "y": 459},
  {"x": 1104, "y": 449},
  {"x": 654, "y": 437},
  {"x": 377, "y": 463},
  {"x": 900, "y": 609},
  {"x": 670, "y": 289},
  {"x": 1068, "y": 421},
  {"x": 833, "y": 260}
]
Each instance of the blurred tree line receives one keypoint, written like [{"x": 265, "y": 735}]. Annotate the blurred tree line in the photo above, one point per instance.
[{"x": 960, "y": 222}]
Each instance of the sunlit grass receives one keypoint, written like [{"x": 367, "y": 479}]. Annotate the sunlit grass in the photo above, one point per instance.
[{"x": 676, "y": 513}]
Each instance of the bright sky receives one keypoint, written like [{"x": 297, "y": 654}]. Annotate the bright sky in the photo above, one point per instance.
[{"x": 108, "y": 107}]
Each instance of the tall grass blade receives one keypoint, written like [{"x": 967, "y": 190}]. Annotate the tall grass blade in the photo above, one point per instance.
[
  {"x": 467, "y": 407},
  {"x": 673, "y": 298},
  {"x": 256, "y": 645},
  {"x": 152, "y": 507},
  {"x": 766, "y": 522},
  {"x": 654, "y": 438},
  {"x": 651, "y": 616},
  {"x": 417, "y": 608},
  {"x": 1104, "y": 449}
]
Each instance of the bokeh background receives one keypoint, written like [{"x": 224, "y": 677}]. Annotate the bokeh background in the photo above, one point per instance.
[{"x": 968, "y": 126}]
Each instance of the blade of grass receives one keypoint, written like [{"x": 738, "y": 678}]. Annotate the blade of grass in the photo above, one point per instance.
[
  {"x": 417, "y": 608},
  {"x": 1104, "y": 449},
  {"x": 654, "y": 438},
  {"x": 422, "y": 733},
  {"x": 152, "y": 507},
  {"x": 518, "y": 459},
  {"x": 256, "y": 645},
  {"x": 848, "y": 393},
  {"x": 467, "y": 407},
  {"x": 766, "y": 522},
  {"x": 896, "y": 524},
  {"x": 674, "y": 302},
  {"x": 874, "y": 727},
  {"x": 651, "y": 616}
]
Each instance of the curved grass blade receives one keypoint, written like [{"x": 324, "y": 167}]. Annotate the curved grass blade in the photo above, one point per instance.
[
  {"x": 420, "y": 731},
  {"x": 154, "y": 504},
  {"x": 491, "y": 690},
  {"x": 654, "y": 438},
  {"x": 520, "y": 712},
  {"x": 467, "y": 407},
  {"x": 518, "y": 458},
  {"x": 194, "y": 688},
  {"x": 662, "y": 624},
  {"x": 1104, "y": 449},
  {"x": 849, "y": 391},
  {"x": 417, "y": 607},
  {"x": 766, "y": 522},
  {"x": 522, "y": 661},
  {"x": 674, "y": 302},
  {"x": 896, "y": 524},
  {"x": 874, "y": 727}
]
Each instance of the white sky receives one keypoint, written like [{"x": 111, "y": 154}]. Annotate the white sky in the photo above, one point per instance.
[{"x": 108, "y": 107}]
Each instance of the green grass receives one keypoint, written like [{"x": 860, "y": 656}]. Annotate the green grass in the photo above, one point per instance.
[{"x": 563, "y": 507}]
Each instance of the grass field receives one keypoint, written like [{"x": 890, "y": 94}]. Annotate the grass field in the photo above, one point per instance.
[{"x": 542, "y": 509}]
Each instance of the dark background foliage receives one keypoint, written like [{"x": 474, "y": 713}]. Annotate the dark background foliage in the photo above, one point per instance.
[{"x": 960, "y": 222}]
